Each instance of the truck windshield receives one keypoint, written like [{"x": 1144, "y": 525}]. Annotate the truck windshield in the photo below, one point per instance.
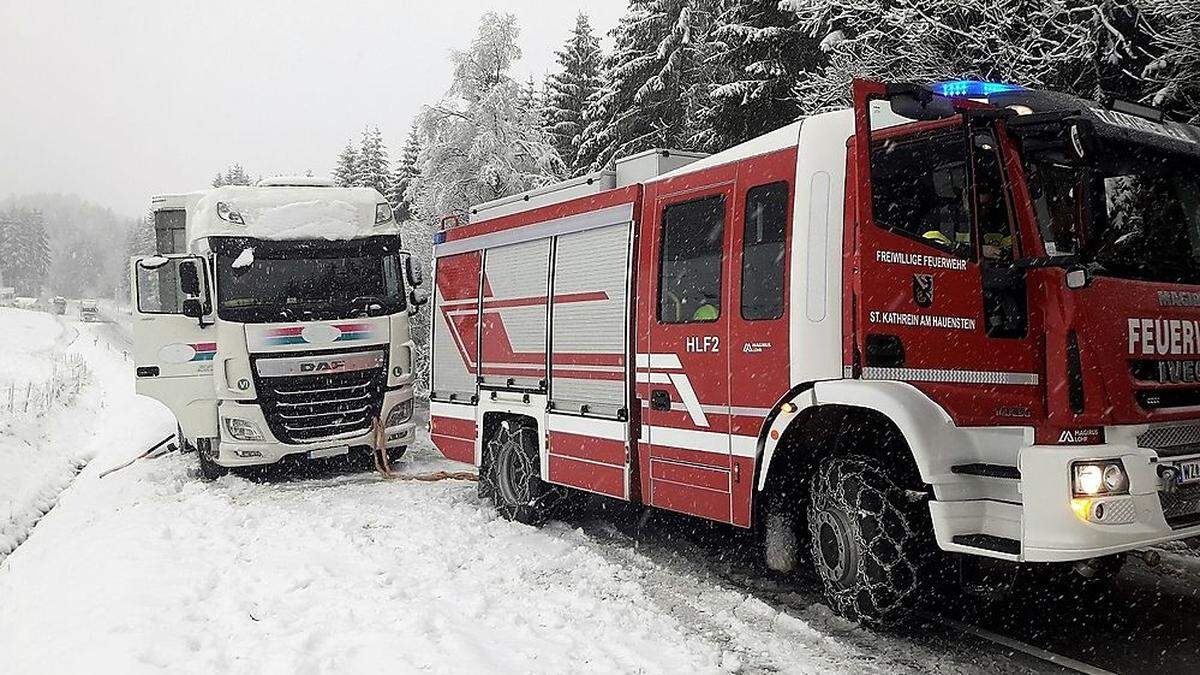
[
  {"x": 1133, "y": 213},
  {"x": 262, "y": 282}
]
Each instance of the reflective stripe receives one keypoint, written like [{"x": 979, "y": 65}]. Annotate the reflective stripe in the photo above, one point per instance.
[
  {"x": 703, "y": 441},
  {"x": 452, "y": 410},
  {"x": 587, "y": 426},
  {"x": 953, "y": 376}
]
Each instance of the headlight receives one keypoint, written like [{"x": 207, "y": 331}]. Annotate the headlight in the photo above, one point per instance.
[
  {"x": 383, "y": 213},
  {"x": 229, "y": 215},
  {"x": 242, "y": 430},
  {"x": 399, "y": 414},
  {"x": 1091, "y": 479}
]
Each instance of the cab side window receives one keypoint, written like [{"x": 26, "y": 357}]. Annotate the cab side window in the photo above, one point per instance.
[
  {"x": 763, "y": 251},
  {"x": 920, "y": 189},
  {"x": 689, "y": 272}
]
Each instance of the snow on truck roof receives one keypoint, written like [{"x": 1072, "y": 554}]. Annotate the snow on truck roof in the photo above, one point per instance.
[{"x": 286, "y": 212}]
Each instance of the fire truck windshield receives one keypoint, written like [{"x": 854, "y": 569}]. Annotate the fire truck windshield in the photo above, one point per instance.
[
  {"x": 262, "y": 282},
  {"x": 1131, "y": 213}
]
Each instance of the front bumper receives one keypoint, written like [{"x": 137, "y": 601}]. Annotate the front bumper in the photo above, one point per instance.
[
  {"x": 236, "y": 453},
  {"x": 1052, "y": 532}
]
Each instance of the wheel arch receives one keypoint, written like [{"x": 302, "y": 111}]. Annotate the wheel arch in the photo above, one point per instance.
[{"x": 814, "y": 419}]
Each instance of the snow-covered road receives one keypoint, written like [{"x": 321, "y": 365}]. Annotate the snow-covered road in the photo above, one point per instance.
[{"x": 151, "y": 569}]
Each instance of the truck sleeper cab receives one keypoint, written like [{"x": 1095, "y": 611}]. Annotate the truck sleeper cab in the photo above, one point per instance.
[
  {"x": 959, "y": 293},
  {"x": 274, "y": 322}
]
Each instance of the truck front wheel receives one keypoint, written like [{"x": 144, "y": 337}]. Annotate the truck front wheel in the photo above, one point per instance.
[
  {"x": 869, "y": 540},
  {"x": 209, "y": 469},
  {"x": 512, "y": 477}
]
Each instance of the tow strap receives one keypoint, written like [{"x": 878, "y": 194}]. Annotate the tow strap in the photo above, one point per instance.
[
  {"x": 149, "y": 454},
  {"x": 384, "y": 466}
]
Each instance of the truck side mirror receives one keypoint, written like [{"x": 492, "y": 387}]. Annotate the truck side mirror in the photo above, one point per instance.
[
  {"x": 192, "y": 308},
  {"x": 189, "y": 278},
  {"x": 413, "y": 271},
  {"x": 417, "y": 297}
]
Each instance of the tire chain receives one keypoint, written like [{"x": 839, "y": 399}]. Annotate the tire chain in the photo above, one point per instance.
[{"x": 891, "y": 538}]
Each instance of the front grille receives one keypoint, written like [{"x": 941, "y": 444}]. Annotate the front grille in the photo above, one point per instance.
[
  {"x": 1181, "y": 507},
  {"x": 1172, "y": 441},
  {"x": 306, "y": 408}
]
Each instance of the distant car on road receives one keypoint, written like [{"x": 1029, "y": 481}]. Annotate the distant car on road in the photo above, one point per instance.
[
  {"x": 88, "y": 310},
  {"x": 8, "y": 296},
  {"x": 58, "y": 305}
]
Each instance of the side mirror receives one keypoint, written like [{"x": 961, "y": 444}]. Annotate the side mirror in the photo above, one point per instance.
[
  {"x": 1077, "y": 278},
  {"x": 413, "y": 271},
  {"x": 417, "y": 297},
  {"x": 189, "y": 278},
  {"x": 192, "y": 308}
]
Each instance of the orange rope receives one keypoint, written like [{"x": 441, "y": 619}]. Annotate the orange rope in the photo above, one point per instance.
[{"x": 384, "y": 467}]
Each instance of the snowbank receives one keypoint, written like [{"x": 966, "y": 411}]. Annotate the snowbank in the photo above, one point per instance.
[{"x": 48, "y": 409}]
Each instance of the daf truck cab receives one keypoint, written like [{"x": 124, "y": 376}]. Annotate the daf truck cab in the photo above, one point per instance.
[{"x": 274, "y": 322}]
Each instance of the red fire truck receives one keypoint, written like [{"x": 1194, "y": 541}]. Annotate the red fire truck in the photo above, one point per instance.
[{"x": 962, "y": 317}]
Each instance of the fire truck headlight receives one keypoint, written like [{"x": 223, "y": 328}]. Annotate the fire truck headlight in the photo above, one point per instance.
[
  {"x": 242, "y": 430},
  {"x": 399, "y": 414},
  {"x": 383, "y": 213},
  {"x": 1095, "y": 478}
]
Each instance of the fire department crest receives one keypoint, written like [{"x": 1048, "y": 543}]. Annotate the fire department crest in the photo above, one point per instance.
[{"x": 923, "y": 289}]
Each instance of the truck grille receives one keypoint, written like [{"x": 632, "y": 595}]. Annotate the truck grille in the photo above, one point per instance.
[
  {"x": 306, "y": 408},
  {"x": 1181, "y": 508},
  {"x": 1172, "y": 441}
]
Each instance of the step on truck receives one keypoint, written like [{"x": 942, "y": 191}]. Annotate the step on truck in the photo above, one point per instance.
[
  {"x": 273, "y": 321},
  {"x": 955, "y": 326}
]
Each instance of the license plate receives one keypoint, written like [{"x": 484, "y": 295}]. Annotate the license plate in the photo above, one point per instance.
[
  {"x": 329, "y": 452},
  {"x": 1189, "y": 472}
]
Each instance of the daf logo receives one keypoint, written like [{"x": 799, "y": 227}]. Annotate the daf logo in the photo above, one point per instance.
[{"x": 321, "y": 366}]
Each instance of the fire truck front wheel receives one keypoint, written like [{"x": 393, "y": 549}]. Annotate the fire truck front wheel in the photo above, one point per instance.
[
  {"x": 868, "y": 539},
  {"x": 511, "y": 477}
]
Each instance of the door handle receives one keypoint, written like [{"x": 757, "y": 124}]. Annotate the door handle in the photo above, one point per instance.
[{"x": 660, "y": 399}]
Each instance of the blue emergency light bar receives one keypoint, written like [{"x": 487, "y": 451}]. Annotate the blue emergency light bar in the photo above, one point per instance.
[{"x": 972, "y": 88}]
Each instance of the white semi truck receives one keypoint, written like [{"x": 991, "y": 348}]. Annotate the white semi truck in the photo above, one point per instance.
[{"x": 274, "y": 322}]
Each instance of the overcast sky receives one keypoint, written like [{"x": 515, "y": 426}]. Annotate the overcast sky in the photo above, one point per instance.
[{"x": 117, "y": 100}]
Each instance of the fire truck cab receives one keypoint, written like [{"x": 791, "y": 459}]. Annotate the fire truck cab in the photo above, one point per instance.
[{"x": 963, "y": 317}]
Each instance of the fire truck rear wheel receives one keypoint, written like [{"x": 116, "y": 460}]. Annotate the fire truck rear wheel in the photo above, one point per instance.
[
  {"x": 868, "y": 540},
  {"x": 512, "y": 478}
]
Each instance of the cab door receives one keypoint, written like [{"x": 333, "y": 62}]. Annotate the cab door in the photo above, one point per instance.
[
  {"x": 174, "y": 340},
  {"x": 941, "y": 303},
  {"x": 685, "y": 369}
]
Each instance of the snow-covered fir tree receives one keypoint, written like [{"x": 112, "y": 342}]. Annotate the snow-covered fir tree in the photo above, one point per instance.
[
  {"x": 345, "y": 171},
  {"x": 757, "y": 54},
  {"x": 234, "y": 175},
  {"x": 374, "y": 168},
  {"x": 480, "y": 141},
  {"x": 1172, "y": 78},
  {"x": 568, "y": 92},
  {"x": 24, "y": 249},
  {"x": 408, "y": 171},
  {"x": 655, "y": 80}
]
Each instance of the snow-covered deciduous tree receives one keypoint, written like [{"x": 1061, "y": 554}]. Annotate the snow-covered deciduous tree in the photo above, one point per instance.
[
  {"x": 407, "y": 172},
  {"x": 234, "y": 175},
  {"x": 345, "y": 171},
  {"x": 655, "y": 80},
  {"x": 374, "y": 168},
  {"x": 480, "y": 141},
  {"x": 568, "y": 92},
  {"x": 1172, "y": 78},
  {"x": 1082, "y": 47},
  {"x": 757, "y": 53}
]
